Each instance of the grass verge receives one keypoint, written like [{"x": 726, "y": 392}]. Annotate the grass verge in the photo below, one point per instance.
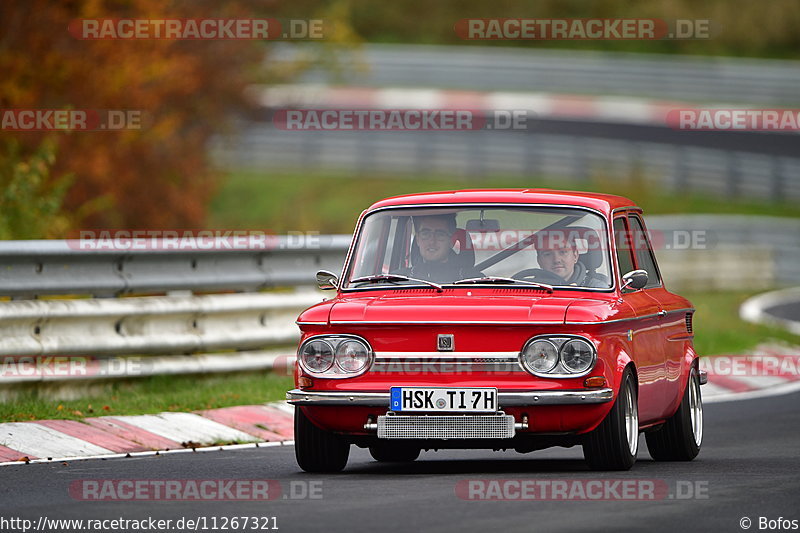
[
  {"x": 152, "y": 395},
  {"x": 719, "y": 330},
  {"x": 330, "y": 202}
]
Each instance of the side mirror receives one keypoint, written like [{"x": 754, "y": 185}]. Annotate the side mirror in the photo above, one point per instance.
[
  {"x": 327, "y": 280},
  {"x": 635, "y": 279}
]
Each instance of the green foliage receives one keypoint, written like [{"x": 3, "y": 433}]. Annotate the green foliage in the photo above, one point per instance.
[
  {"x": 31, "y": 198},
  {"x": 739, "y": 27}
]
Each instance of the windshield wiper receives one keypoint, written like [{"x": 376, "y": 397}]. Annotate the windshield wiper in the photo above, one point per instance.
[
  {"x": 499, "y": 279},
  {"x": 394, "y": 277}
]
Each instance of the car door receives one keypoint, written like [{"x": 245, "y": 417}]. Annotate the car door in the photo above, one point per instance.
[
  {"x": 672, "y": 322},
  {"x": 644, "y": 332}
]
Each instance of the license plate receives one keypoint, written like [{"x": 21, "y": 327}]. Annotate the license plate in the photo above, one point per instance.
[{"x": 473, "y": 400}]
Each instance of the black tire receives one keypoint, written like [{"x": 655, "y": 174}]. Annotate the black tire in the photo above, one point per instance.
[
  {"x": 608, "y": 447},
  {"x": 679, "y": 439},
  {"x": 387, "y": 452},
  {"x": 317, "y": 450}
]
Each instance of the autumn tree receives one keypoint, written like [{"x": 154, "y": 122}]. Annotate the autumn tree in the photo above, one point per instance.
[{"x": 158, "y": 176}]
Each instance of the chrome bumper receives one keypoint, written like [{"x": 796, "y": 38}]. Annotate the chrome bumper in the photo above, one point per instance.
[{"x": 505, "y": 399}]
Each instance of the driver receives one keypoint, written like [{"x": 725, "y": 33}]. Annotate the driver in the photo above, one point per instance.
[
  {"x": 439, "y": 262},
  {"x": 559, "y": 256}
]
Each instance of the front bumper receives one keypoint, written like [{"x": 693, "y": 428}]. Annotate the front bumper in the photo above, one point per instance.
[{"x": 505, "y": 399}]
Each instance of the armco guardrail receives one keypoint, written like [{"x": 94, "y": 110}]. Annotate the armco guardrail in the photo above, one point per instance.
[
  {"x": 108, "y": 268},
  {"x": 151, "y": 325},
  {"x": 483, "y": 68},
  {"x": 705, "y": 252}
]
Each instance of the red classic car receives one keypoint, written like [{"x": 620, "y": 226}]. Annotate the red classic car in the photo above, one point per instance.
[{"x": 498, "y": 319}]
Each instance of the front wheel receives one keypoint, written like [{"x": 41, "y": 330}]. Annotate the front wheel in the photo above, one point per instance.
[
  {"x": 614, "y": 443},
  {"x": 317, "y": 450},
  {"x": 680, "y": 437}
]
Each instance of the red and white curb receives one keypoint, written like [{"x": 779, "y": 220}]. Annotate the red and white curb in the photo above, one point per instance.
[
  {"x": 771, "y": 370},
  {"x": 124, "y": 436},
  {"x": 542, "y": 104}
]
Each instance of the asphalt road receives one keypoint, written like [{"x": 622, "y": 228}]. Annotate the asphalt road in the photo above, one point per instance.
[
  {"x": 787, "y": 311},
  {"x": 749, "y": 467}
]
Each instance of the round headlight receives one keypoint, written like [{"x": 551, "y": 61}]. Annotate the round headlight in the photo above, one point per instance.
[
  {"x": 352, "y": 356},
  {"x": 317, "y": 356},
  {"x": 540, "y": 356},
  {"x": 577, "y": 356}
]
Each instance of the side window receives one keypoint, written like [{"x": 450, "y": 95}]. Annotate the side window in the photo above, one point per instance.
[
  {"x": 622, "y": 239},
  {"x": 644, "y": 253}
]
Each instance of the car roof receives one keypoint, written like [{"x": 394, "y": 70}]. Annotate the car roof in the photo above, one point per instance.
[{"x": 599, "y": 201}]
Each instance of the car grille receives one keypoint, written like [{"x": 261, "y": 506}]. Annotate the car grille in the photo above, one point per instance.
[
  {"x": 446, "y": 363},
  {"x": 496, "y": 426},
  {"x": 445, "y": 367}
]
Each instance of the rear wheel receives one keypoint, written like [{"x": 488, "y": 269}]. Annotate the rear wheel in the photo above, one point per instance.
[
  {"x": 680, "y": 437},
  {"x": 386, "y": 452},
  {"x": 614, "y": 443},
  {"x": 317, "y": 450}
]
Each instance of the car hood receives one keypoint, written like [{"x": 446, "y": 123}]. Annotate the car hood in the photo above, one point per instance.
[{"x": 443, "y": 308}]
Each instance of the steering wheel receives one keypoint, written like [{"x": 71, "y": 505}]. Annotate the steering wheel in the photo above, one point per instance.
[{"x": 542, "y": 276}]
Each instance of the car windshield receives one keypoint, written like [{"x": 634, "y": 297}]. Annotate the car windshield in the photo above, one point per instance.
[{"x": 526, "y": 246}]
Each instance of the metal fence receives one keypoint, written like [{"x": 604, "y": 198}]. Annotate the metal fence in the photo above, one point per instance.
[
  {"x": 680, "y": 164},
  {"x": 672, "y": 77},
  {"x": 229, "y": 331},
  {"x": 104, "y": 267}
]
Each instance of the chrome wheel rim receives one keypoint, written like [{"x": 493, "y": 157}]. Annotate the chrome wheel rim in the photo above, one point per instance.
[
  {"x": 631, "y": 420},
  {"x": 696, "y": 409}
]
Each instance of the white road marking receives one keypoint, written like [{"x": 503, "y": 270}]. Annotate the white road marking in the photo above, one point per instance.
[
  {"x": 762, "y": 382},
  {"x": 282, "y": 406},
  {"x": 751, "y": 395},
  {"x": 150, "y": 453},
  {"x": 709, "y": 390}
]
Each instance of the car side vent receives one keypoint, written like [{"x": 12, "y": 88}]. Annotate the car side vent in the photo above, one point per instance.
[{"x": 689, "y": 322}]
